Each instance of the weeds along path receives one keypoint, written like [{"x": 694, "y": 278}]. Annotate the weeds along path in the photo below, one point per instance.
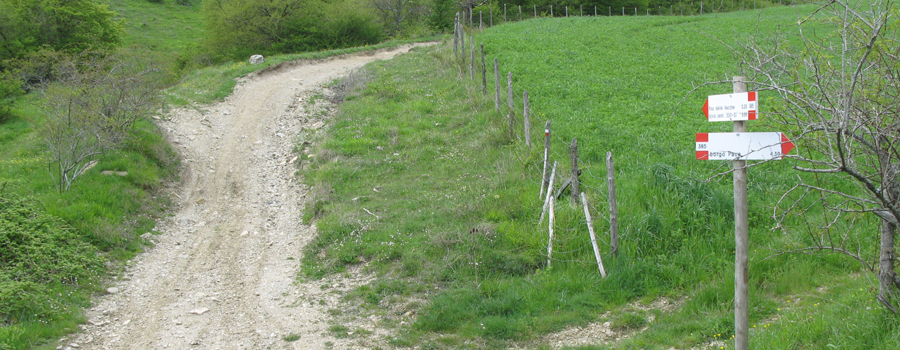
[{"x": 222, "y": 274}]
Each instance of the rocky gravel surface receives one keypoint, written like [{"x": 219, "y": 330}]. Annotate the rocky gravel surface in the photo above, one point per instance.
[{"x": 222, "y": 273}]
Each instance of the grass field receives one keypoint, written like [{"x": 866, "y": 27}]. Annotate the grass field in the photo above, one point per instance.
[{"x": 452, "y": 203}]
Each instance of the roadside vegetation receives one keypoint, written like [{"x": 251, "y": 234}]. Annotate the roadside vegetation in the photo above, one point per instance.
[
  {"x": 73, "y": 208},
  {"x": 418, "y": 183}
]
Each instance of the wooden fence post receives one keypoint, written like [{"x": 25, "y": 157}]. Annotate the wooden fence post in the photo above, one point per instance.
[
  {"x": 492, "y": 17},
  {"x": 510, "y": 107},
  {"x": 741, "y": 248},
  {"x": 549, "y": 194},
  {"x": 535, "y": 11},
  {"x": 480, "y": 19},
  {"x": 590, "y": 223},
  {"x": 526, "y": 112},
  {"x": 613, "y": 206},
  {"x": 546, "y": 181},
  {"x": 462, "y": 43},
  {"x": 472, "y": 61},
  {"x": 497, "y": 85},
  {"x": 520, "y": 12},
  {"x": 574, "y": 150},
  {"x": 456, "y": 36},
  {"x": 483, "y": 73},
  {"x": 551, "y": 11},
  {"x": 504, "y": 13}
]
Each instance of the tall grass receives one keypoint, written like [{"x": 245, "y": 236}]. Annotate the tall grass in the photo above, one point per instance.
[{"x": 451, "y": 204}]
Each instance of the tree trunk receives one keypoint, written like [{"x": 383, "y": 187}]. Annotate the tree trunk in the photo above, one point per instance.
[{"x": 888, "y": 284}]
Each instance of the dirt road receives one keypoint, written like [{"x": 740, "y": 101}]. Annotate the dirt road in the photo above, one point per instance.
[{"x": 222, "y": 274}]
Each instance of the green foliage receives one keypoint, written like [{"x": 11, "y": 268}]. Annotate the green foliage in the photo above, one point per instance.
[
  {"x": 39, "y": 251},
  {"x": 442, "y": 15},
  {"x": 73, "y": 26},
  {"x": 237, "y": 29},
  {"x": 466, "y": 224}
]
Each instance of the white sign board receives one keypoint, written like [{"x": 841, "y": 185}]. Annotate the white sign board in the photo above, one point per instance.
[
  {"x": 731, "y": 107},
  {"x": 742, "y": 146}
]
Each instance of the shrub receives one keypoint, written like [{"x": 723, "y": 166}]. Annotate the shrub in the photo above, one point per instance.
[{"x": 39, "y": 251}]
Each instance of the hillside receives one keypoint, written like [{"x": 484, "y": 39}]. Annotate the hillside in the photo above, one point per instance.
[{"x": 451, "y": 202}]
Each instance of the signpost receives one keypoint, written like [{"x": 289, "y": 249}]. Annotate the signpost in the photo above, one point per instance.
[
  {"x": 731, "y": 107},
  {"x": 739, "y": 146},
  {"x": 743, "y": 146}
]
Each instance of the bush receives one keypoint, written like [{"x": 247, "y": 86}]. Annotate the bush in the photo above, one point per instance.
[
  {"x": 9, "y": 87},
  {"x": 237, "y": 29},
  {"x": 72, "y": 26},
  {"x": 39, "y": 251}
]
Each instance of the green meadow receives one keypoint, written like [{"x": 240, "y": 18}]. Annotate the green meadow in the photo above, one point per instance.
[{"x": 452, "y": 202}]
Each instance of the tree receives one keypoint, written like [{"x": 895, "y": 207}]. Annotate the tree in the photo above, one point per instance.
[
  {"x": 90, "y": 108},
  {"x": 238, "y": 28},
  {"x": 397, "y": 12},
  {"x": 839, "y": 98},
  {"x": 64, "y": 25}
]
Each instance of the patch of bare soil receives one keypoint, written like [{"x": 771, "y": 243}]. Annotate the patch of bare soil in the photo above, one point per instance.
[
  {"x": 222, "y": 274},
  {"x": 605, "y": 331}
]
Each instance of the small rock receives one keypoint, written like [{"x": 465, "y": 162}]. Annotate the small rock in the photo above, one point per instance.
[
  {"x": 199, "y": 311},
  {"x": 112, "y": 290},
  {"x": 74, "y": 345},
  {"x": 257, "y": 59},
  {"x": 110, "y": 173}
]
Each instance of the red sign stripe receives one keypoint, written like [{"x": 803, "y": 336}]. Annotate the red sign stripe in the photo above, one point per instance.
[
  {"x": 751, "y": 96},
  {"x": 751, "y": 115},
  {"x": 703, "y": 155},
  {"x": 786, "y": 145},
  {"x": 703, "y": 137}
]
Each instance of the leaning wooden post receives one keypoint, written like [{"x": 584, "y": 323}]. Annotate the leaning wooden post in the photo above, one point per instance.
[
  {"x": 574, "y": 149},
  {"x": 613, "y": 206},
  {"x": 526, "y": 113},
  {"x": 590, "y": 223},
  {"x": 552, "y": 221},
  {"x": 497, "y": 85},
  {"x": 510, "y": 106},
  {"x": 546, "y": 181},
  {"x": 741, "y": 249},
  {"x": 483, "y": 72},
  {"x": 549, "y": 194}
]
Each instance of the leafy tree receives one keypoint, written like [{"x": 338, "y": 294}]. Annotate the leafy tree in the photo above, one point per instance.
[
  {"x": 90, "y": 107},
  {"x": 65, "y": 25},
  {"x": 238, "y": 28}
]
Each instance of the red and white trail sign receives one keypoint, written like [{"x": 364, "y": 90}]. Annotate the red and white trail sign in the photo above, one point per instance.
[
  {"x": 742, "y": 146},
  {"x": 731, "y": 107}
]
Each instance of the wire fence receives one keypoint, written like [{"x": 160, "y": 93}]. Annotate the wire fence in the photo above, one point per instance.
[{"x": 491, "y": 14}]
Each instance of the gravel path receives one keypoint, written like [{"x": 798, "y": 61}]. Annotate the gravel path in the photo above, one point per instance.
[{"x": 222, "y": 274}]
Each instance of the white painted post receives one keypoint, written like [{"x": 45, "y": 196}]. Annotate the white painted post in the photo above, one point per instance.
[
  {"x": 590, "y": 223},
  {"x": 549, "y": 194},
  {"x": 552, "y": 221}
]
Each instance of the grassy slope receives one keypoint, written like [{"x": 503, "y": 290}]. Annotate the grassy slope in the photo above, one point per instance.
[
  {"x": 457, "y": 202},
  {"x": 109, "y": 212}
]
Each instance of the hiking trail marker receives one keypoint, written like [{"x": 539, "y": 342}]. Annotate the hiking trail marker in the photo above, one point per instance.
[
  {"x": 738, "y": 147},
  {"x": 731, "y": 107}
]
